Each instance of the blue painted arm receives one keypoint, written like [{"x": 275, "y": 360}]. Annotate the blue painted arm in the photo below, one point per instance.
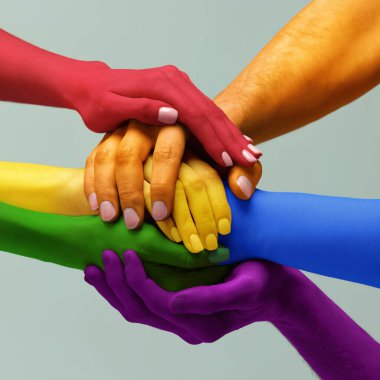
[{"x": 336, "y": 237}]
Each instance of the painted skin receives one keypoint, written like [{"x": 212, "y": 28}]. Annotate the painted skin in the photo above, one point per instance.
[
  {"x": 200, "y": 211},
  {"x": 255, "y": 291},
  {"x": 340, "y": 235}
]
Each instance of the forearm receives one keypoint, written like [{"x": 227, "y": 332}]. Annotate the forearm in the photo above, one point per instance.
[
  {"x": 43, "y": 188},
  {"x": 327, "y": 338},
  {"x": 332, "y": 236},
  {"x": 325, "y": 57},
  {"x": 29, "y": 74}
]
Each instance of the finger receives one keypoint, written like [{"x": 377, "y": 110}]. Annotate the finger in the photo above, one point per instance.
[
  {"x": 243, "y": 181},
  {"x": 89, "y": 181},
  {"x": 200, "y": 206},
  {"x": 167, "y": 226},
  {"x": 239, "y": 292},
  {"x": 184, "y": 221},
  {"x": 157, "y": 301},
  {"x": 147, "y": 111},
  {"x": 133, "y": 308},
  {"x": 241, "y": 150},
  {"x": 167, "y": 157},
  {"x": 154, "y": 298},
  {"x": 96, "y": 278},
  {"x": 104, "y": 172},
  {"x": 133, "y": 151},
  {"x": 216, "y": 193}
]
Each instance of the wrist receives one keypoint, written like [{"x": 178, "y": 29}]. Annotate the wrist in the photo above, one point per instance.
[
  {"x": 71, "y": 199},
  {"x": 248, "y": 111},
  {"x": 233, "y": 105},
  {"x": 291, "y": 297},
  {"x": 78, "y": 90}
]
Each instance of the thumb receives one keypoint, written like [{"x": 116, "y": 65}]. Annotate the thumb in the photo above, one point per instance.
[
  {"x": 148, "y": 111},
  {"x": 243, "y": 181}
]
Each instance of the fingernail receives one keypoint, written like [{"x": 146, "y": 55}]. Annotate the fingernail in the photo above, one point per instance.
[
  {"x": 107, "y": 211},
  {"x": 224, "y": 226},
  {"x": 255, "y": 150},
  {"x": 93, "y": 202},
  {"x": 227, "y": 159},
  {"x": 159, "y": 210},
  {"x": 219, "y": 256},
  {"x": 248, "y": 156},
  {"x": 131, "y": 218},
  {"x": 175, "y": 235},
  {"x": 211, "y": 242},
  {"x": 248, "y": 138},
  {"x": 245, "y": 185},
  {"x": 167, "y": 115},
  {"x": 196, "y": 243}
]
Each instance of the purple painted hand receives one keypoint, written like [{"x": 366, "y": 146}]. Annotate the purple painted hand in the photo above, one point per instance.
[
  {"x": 254, "y": 291},
  {"x": 200, "y": 314}
]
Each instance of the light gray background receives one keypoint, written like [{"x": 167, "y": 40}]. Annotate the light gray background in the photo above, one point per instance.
[{"x": 54, "y": 326}]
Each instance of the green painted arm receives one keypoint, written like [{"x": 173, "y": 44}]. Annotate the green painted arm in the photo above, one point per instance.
[{"x": 77, "y": 241}]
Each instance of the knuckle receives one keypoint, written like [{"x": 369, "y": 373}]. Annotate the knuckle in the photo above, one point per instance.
[
  {"x": 90, "y": 160},
  {"x": 165, "y": 153},
  {"x": 196, "y": 185},
  {"x": 179, "y": 188},
  {"x": 132, "y": 196},
  {"x": 185, "y": 75},
  {"x": 103, "y": 155},
  {"x": 170, "y": 69},
  {"x": 104, "y": 192},
  {"x": 212, "y": 176},
  {"x": 125, "y": 154},
  {"x": 161, "y": 189}
]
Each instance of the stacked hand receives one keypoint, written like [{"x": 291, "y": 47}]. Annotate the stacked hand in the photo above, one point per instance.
[
  {"x": 108, "y": 97},
  {"x": 254, "y": 291},
  {"x": 121, "y": 174}
]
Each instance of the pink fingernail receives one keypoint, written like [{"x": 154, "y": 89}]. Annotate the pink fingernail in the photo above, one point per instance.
[
  {"x": 167, "y": 115},
  {"x": 248, "y": 156},
  {"x": 107, "y": 211},
  {"x": 227, "y": 159},
  {"x": 245, "y": 185},
  {"x": 255, "y": 150},
  {"x": 92, "y": 200},
  {"x": 131, "y": 218},
  {"x": 248, "y": 138},
  {"x": 159, "y": 210}
]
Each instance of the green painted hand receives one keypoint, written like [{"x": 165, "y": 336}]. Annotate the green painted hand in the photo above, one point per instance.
[{"x": 78, "y": 241}]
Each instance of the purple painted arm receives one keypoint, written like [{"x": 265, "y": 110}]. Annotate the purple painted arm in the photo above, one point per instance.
[{"x": 332, "y": 343}]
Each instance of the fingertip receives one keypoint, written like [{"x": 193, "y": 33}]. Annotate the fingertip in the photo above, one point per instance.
[
  {"x": 90, "y": 273},
  {"x": 159, "y": 210},
  {"x": 127, "y": 256},
  {"x": 131, "y": 218},
  {"x": 196, "y": 243},
  {"x": 93, "y": 201},
  {"x": 245, "y": 186},
  {"x": 218, "y": 256},
  {"x": 256, "y": 151},
  {"x": 224, "y": 226},
  {"x": 107, "y": 211},
  {"x": 175, "y": 235},
  {"x": 167, "y": 115},
  {"x": 226, "y": 159},
  {"x": 248, "y": 156},
  {"x": 211, "y": 242},
  {"x": 108, "y": 255}
]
